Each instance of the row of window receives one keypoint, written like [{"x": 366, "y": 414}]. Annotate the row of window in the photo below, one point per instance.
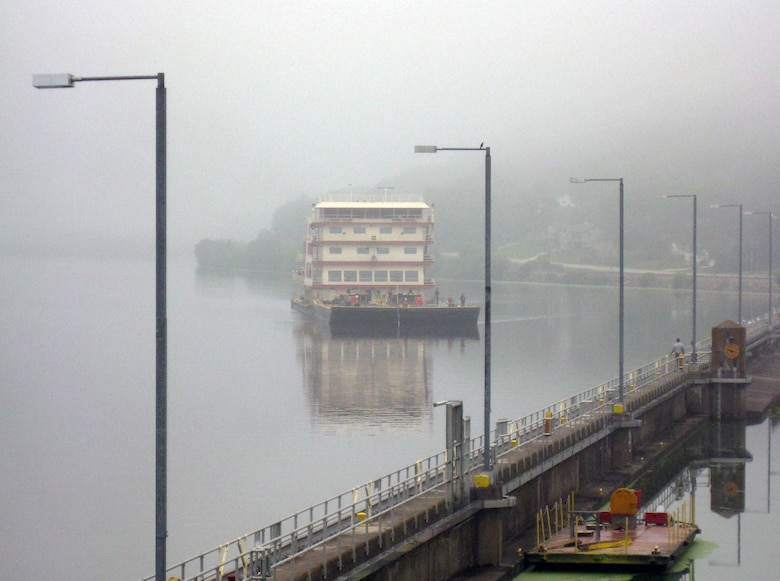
[
  {"x": 371, "y": 213},
  {"x": 366, "y": 250},
  {"x": 362, "y": 230},
  {"x": 369, "y": 276}
]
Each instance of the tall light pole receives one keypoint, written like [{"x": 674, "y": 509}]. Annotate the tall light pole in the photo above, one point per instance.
[
  {"x": 621, "y": 284},
  {"x": 770, "y": 322},
  {"x": 62, "y": 81},
  {"x": 739, "y": 299},
  {"x": 434, "y": 149},
  {"x": 693, "y": 337}
]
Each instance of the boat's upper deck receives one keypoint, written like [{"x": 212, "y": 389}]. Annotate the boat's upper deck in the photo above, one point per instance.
[{"x": 379, "y": 207}]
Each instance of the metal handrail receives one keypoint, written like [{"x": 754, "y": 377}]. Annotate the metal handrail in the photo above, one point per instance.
[
  {"x": 285, "y": 536},
  {"x": 279, "y": 542},
  {"x": 531, "y": 426}
]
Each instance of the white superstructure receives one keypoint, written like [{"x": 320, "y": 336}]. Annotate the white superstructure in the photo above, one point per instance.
[{"x": 371, "y": 246}]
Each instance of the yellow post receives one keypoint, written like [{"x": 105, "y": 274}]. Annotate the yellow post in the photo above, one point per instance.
[
  {"x": 549, "y": 528},
  {"x": 538, "y": 543},
  {"x": 625, "y": 548},
  {"x": 576, "y": 532}
]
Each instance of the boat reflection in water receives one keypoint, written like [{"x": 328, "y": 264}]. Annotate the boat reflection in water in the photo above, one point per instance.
[{"x": 369, "y": 380}]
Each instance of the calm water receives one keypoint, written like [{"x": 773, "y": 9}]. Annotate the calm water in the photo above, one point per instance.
[{"x": 267, "y": 416}]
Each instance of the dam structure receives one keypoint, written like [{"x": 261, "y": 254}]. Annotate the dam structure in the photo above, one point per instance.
[{"x": 444, "y": 515}]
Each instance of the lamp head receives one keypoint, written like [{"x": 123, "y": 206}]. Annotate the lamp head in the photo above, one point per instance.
[{"x": 56, "y": 81}]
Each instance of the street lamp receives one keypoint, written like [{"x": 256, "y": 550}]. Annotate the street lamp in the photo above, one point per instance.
[
  {"x": 771, "y": 216},
  {"x": 739, "y": 300},
  {"x": 61, "y": 81},
  {"x": 622, "y": 284},
  {"x": 434, "y": 149},
  {"x": 693, "y": 338}
]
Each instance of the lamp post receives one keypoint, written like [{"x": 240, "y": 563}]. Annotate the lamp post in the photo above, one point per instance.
[
  {"x": 61, "y": 81},
  {"x": 434, "y": 149},
  {"x": 621, "y": 317},
  {"x": 693, "y": 337},
  {"x": 771, "y": 217},
  {"x": 739, "y": 299}
]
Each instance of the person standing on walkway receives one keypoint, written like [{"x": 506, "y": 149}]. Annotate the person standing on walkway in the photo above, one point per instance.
[
  {"x": 462, "y": 300},
  {"x": 678, "y": 350}
]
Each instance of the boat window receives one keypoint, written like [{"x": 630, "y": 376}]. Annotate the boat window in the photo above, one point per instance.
[
  {"x": 380, "y": 276},
  {"x": 410, "y": 230},
  {"x": 350, "y": 276},
  {"x": 334, "y": 276},
  {"x": 410, "y": 250},
  {"x": 362, "y": 250},
  {"x": 385, "y": 229},
  {"x": 383, "y": 250},
  {"x": 359, "y": 229},
  {"x": 396, "y": 276},
  {"x": 335, "y": 229},
  {"x": 412, "y": 276},
  {"x": 365, "y": 276},
  {"x": 334, "y": 249}
]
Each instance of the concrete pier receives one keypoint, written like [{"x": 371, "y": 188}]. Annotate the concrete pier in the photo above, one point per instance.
[
  {"x": 591, "y": 457},
  {"x": 446, "y": 520}
]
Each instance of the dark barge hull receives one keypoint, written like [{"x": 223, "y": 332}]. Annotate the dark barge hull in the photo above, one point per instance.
[{"x": 374, "y": 319}]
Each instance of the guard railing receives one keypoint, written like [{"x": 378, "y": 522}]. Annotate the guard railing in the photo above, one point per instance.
[{"x": 350, "y": 516}]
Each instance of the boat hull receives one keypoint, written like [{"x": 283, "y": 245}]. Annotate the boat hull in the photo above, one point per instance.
[{"x": 388, "y": 320}]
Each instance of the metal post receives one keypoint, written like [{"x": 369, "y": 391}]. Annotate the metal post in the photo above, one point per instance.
[
  {"x": 770, "y": 322},
  {"x": 58, "y": 81},
  {"x": 455, "y": 428},
  {"x": 694, "y": 257},
  {"x": 621, "y": 309},
  {"x": 695, "y": 260},
  {"x": 486, "y": 461},
  {"x": 739, "y": 307},
  {"x": 739, "y": 300},
  {"x": 161, "y": 470},
  {"x": 434, "y": 149},
  {"x": 622, "y": 301},
  {"x": 770, "y": 315}
]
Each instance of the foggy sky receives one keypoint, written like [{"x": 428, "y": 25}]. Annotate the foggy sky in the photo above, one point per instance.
[{"x": 269, "y": 100}]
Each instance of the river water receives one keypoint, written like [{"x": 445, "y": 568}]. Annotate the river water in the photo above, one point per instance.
[{"x": 268, "y": 416}]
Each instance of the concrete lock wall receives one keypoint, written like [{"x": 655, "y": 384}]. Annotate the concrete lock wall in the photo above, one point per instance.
[
  {"x": 547, "y": 470},
  {"x": 437, "y": 560},
  {"x": 593, "y": 462},
  {"x": 478, "y": 540}
]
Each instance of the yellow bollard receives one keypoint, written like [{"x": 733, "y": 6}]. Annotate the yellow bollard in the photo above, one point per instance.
[
  {"x": 361, "y": 516},
  {"x": 482, "y": 480}
]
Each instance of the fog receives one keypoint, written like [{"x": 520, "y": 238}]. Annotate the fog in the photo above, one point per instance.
[{"x": 271, "y": 100}]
